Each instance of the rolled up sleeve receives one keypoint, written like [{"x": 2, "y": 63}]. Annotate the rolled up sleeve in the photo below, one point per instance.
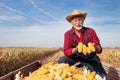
[
  {"x": 67, "y": 45},
  {"x": 96, "y": 40}
]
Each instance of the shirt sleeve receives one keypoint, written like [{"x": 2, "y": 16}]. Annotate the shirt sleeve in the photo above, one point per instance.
[
  {"x": 96, "y": 40},
  {"x": 67, "y": 45}
]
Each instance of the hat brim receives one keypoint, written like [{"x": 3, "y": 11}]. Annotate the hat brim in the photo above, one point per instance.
[{"x": 69, "y": 17}]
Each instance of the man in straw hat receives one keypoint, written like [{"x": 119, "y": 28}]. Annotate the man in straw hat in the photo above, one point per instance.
[{"x": 78, "y": 33}]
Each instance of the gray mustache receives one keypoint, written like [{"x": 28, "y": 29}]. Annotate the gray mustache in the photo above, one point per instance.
[{"x": 78, "y": 24}]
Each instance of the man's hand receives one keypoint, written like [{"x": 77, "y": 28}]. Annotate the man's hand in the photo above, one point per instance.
[
  {"x": 82, "y": 48},
  {"x": 75, "y": 50},
  {"x": 91, "y": 46},
  {"x": 97, "y": 49}
]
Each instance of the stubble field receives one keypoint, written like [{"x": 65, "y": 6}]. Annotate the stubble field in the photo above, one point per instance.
[{"x": 14, "y": 58}]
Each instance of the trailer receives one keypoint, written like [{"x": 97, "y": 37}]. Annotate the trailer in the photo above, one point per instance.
[
  {"x": 24, "y": 70},
  {"x": 113, "y": 73}
]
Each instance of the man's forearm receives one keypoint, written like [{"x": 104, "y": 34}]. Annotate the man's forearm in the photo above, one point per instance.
[
  {"x": 97, "y": 48},
  {"x": 74, "y": 50}
]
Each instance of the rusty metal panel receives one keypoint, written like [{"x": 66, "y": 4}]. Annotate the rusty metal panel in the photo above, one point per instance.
[
  {"x": 113, "y": 73},
  {"x": 24, "y": 70}
]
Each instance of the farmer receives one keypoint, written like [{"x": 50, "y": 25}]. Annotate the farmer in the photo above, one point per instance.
[{"x": 79, "y": 33}]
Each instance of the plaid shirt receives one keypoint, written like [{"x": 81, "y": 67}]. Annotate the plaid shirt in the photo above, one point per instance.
[{"x": 69, "y": 43}]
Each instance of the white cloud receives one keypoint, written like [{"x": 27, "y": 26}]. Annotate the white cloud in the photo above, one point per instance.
[
  {"x": 52, "y": 35},
  {"x": 34, "y": 36},
  {"x": 10, "y": 18},
  {"x": 92, "y": 20},
  {"x": 107, "y": 33}
]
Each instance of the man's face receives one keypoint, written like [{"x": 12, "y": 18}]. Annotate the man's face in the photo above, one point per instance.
[{"x": 77, "y": 22}]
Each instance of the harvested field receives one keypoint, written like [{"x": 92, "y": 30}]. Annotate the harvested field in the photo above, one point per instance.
[{"x": 14, "y": 58}]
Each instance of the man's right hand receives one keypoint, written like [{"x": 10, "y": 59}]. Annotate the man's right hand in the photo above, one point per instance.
[{"x": 75, "y": 50}]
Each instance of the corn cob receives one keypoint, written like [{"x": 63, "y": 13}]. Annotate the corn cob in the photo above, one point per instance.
[
  {"x": 91, "y": 76},
  {"x": 80, "y": 47},
  {"x": 79, "y": 77},
  {"x": 94, "y": 79},
  {"x": 51, "y": 76},
  {"x": 69, "y": 78},
  {"x": 43, "y": 71},
  {"x": 88, "y": 73},
  {"x": 88, "y": 50},
  {"x": 59, "y": 71},
  {"x": 64, "y": 74},
  {"x": 92, "y": 48},
  {"x": 84, "y": 49}
]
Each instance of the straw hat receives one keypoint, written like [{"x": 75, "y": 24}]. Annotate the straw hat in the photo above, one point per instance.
[{"x": 75, "y": 13}]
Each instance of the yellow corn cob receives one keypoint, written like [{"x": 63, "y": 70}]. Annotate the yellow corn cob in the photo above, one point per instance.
[
  {"x": 92, "y": 48},
  {"x": 46, "y": 78},
  {"x": 42, "y": 76},
  {"x": 66, "y": 66},
  {"x": 69, "y": 78},
  {"x": 59, "y": 71},
  {"x": 79, "y": 77},
  {"x": 25, "y": 78},
  {"x": 88, "y": 73},
  {"x": 84, "y": 49},
  {"x": 88, "y": 50},
  {"x": 94, "y": 79},
  {"x": 76, "y": 71},
  {"x": 64, "y": 74},
  {"x": 51, "y": 74},
  {"x": 69, "y": 69},
  {"x": 80, "y": 47},
  {"x": 56, "y": 66},
  {"x": 91, "y": 76},
  {"x": 44, "y": 71},
  {"x": 73, "y": 69}
]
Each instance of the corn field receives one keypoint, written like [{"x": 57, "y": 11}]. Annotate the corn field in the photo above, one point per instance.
[
  {"x": 111, "y": 56},
  {"x": 14, "y": 58}
]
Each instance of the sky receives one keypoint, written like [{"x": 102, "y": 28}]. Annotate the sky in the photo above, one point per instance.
[{"x": 42, "y": 23}]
